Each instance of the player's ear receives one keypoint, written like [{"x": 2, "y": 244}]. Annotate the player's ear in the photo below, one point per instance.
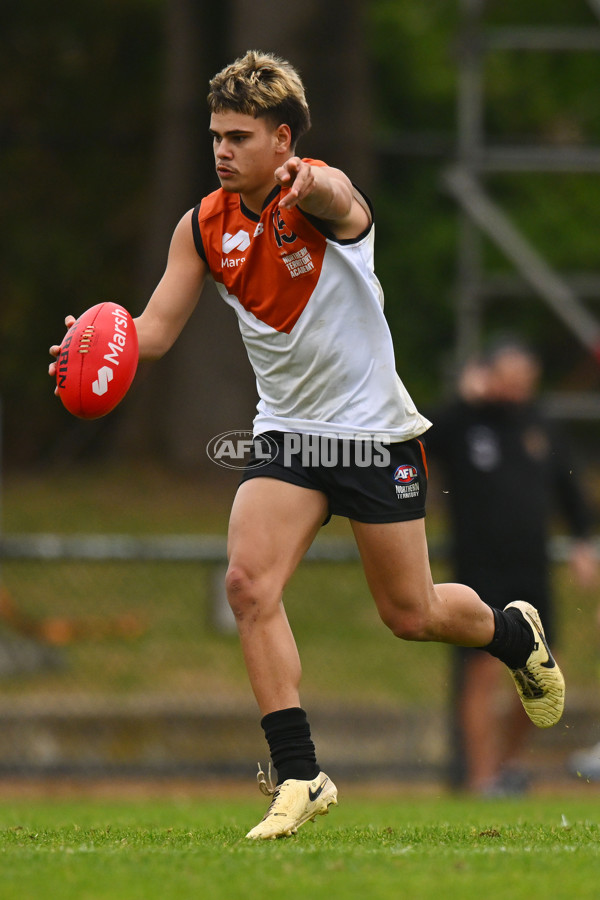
[{"x": 283, "y": 138}]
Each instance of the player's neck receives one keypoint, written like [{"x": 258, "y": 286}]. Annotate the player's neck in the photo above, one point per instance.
[{"x": 255, "y": 200}]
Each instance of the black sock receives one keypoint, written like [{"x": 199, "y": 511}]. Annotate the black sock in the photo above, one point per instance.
[
  {"x": 513, "y": 638},
  {"x": 293, "y": 753}
]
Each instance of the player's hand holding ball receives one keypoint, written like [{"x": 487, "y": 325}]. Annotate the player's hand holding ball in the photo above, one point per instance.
[{"x": 96, "y": 361}]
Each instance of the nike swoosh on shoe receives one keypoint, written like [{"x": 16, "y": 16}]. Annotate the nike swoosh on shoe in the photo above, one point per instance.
[
  {"x": 550, "y": 663},
  {"x": 314, "y": 795}
]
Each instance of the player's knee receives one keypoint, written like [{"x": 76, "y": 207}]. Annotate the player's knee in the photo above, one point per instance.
[
  {"x": 240, "y": 587},
  {"x": 249, "y": 594},
  {"x": 407, "y": 624}
]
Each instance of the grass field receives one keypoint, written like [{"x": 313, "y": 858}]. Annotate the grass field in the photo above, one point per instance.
[{"x": 409, "y": 846}]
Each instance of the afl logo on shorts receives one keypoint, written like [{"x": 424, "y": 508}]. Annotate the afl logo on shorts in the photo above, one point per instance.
[{"x": 405, "y": 474}]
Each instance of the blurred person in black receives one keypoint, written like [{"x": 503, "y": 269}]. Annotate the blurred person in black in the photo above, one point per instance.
[
  {"x": 585, "y": 763},
  {"x": 505, "y": 471}
]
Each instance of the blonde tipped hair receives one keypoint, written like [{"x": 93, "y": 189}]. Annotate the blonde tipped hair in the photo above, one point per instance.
[{"x": 264, "y": 86}]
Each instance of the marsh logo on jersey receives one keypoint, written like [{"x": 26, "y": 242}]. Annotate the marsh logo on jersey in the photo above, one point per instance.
[
  {"x": 407, "y": 482},
  {"x": 239, "y": 241}
]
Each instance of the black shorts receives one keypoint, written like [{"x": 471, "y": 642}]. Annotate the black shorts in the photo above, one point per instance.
[{"x": 369, "y": 481}]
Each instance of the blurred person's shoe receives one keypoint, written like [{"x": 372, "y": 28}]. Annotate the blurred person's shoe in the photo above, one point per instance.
[
  {"x": 539, "y": 682},
  {"x": 294, "y": 803},
  {"x": 585, "y": 763},
  {"x": 509, "y": 782}
]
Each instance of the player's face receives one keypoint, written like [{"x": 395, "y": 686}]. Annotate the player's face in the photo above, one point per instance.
[{"x": 247, "y": 152}]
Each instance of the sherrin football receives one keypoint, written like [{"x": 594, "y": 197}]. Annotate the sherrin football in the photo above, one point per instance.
[{"x": 97, "y": 361}]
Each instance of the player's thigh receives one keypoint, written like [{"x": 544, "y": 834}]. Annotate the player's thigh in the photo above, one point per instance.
[
  {"x": 396, "y": 563},
  {"x": 272, "y": 525}
]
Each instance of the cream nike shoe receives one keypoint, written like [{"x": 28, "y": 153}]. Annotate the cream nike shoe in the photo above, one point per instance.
[
  {"x": 294, "y": 803},
  {"x": 540, "y": 682}
]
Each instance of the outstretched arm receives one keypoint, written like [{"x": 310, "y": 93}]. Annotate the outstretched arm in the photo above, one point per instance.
[{"x": 325, "y": 193}]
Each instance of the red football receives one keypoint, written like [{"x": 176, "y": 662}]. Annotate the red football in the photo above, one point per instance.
[{"x": 97, "y": 361}]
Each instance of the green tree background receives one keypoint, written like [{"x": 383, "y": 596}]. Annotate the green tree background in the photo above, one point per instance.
[{"x": 91, "y": 120}]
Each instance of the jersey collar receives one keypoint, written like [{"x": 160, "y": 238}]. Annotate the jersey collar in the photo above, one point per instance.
[{"x": 268, "y": 200}]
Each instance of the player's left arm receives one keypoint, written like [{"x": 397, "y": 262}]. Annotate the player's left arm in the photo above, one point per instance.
[{"x": 325, "y": 193}]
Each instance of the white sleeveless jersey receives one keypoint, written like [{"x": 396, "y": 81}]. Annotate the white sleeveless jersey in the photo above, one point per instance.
[{"x": 310, "y": 311}]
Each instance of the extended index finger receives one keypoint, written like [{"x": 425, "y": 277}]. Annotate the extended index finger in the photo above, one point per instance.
[{"x": 300, "y": 187}]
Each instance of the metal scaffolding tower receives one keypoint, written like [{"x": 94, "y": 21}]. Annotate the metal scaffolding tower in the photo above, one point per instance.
[{"x": 480, "y": 214}]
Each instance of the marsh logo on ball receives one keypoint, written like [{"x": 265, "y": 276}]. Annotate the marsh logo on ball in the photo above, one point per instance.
[
  {"x": 97, "y": 361},
  {"x": 100, "y": 385}
]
